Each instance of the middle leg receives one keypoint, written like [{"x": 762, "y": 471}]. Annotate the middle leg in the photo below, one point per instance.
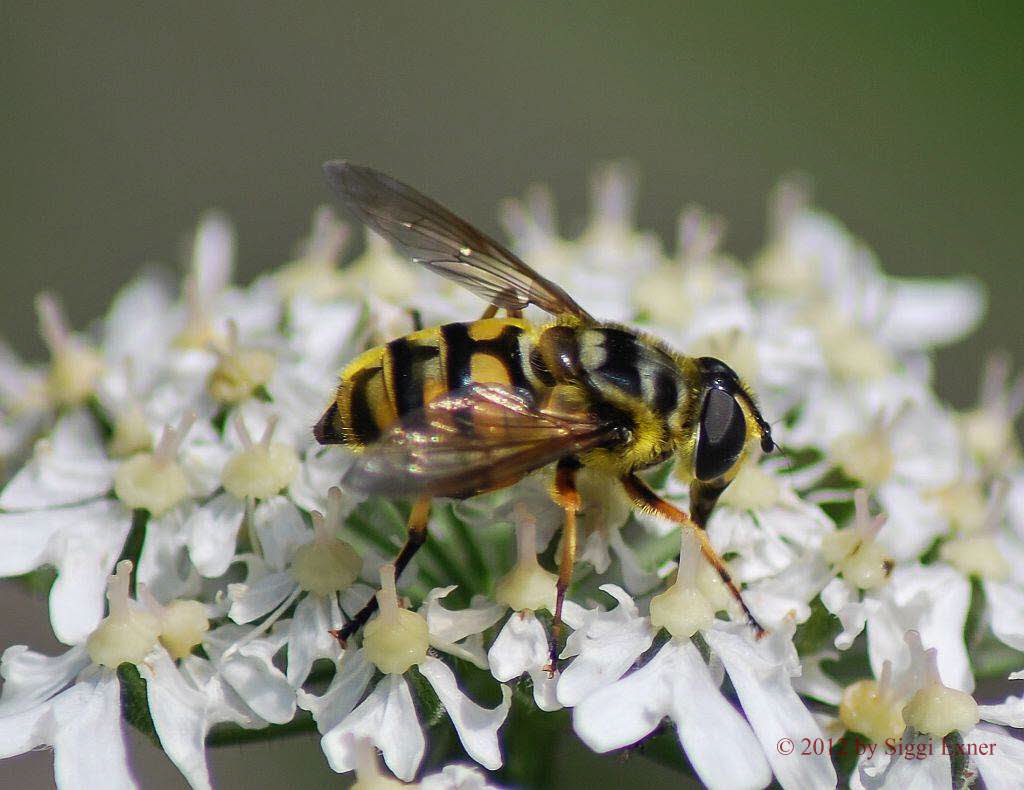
[{"x": 567, "y": 496}]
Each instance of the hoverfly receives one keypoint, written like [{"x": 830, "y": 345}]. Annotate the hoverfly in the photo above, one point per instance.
[{"x": 465, "y": 408}]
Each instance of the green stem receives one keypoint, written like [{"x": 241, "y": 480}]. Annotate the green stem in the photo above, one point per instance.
[
  {"x": 230, "y": 734},
  {"x": 135, "y": 702},
  {"x": 133, "y": 544}
]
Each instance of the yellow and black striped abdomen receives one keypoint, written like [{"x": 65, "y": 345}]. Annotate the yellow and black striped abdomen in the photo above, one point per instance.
[{"x": 386, "y": 382}]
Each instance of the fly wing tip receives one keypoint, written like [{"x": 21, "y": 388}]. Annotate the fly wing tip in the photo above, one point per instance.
[{"x": 336, "y": 170}]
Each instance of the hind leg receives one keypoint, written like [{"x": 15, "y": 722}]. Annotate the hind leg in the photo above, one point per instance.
[{"x": 416, "y": 537}]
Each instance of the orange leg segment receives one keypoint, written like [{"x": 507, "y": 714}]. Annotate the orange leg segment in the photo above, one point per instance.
[{"x": 646, "y": 499}]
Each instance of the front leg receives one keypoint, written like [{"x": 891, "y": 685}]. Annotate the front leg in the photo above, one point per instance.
[{"x": 646, "y": 499}]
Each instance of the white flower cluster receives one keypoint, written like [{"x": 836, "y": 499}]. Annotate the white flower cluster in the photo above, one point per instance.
[{"x": 163, "y": 478}]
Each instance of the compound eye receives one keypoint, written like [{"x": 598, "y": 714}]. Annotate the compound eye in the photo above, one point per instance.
[{"x": 723, "y": 432}]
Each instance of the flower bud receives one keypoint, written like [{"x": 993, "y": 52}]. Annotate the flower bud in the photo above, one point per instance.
[
  {"x": 183, "y": 625},
  {"x": 873, "y": 708},
  {"x": 527, "y": 587},
  {"x": 854, "y": 552},
  {"x": 155, "y": 481},
  {"x": 682, "y": 609},
  {"x": 326, "y": 564},
  {"x": 397, "y": 639},
  {"x": 259, "y": 470},
  {"x": 240, "y": 371},
  {"x": 128, "y": 632},
  {"x": 74, "y": 365}
]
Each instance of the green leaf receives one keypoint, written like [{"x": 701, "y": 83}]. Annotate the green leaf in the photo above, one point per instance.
[
  {"x": 530, "y": 741},
  {"x": 818, "y": 632},
  {"x": 39, "y": 581},
  {"x": 992, "y": 659}
]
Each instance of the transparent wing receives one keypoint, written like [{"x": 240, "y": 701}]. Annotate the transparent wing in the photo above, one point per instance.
[
  {"x": 433, "y": 236},
  {"x": 475, "y": 439}
]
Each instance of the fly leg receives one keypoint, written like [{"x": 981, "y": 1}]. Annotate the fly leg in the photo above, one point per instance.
[
  {"x": 416, "y": 537},
  {"x": 646, "y": 499},
  {"x": 567, "y": 497}
]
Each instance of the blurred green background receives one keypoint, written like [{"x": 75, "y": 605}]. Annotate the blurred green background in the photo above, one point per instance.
[{"x": 122, "y": 122}]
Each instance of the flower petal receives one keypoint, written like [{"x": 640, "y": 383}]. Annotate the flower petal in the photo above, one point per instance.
[
  {"x": 138, "y": 322},
  {"x": 69, "y": 466},
  {"x": 321, "y": 468},
  {"x": 250, "y": 671},
  {"x": 88, "y": 736},
  {"x": 180, "y": 715},
  {"x": 346, "y": 689},
  {"x": 1009, "y": 712},
  {"x": 622, "y": 712},
  {"x": 453, "y": 625},
  {"x": 929, "y": 599},
  {"x": 923, "y": 313},
  {"x": 716, "y": 738},
  {"x": 224, "y": 703},
  {"x": 1001, "y": 765},
  {"x": 26, "y": 537},
  {"x": 450, "y": 627},
  {"x": 31, "y": 678},
  {"x": 889, "y": 770},
  {"x": 843, "y": 600},
  {"x": 280, "y": 530},
  {"x": 309, "y": 636},
  {"x": 605, "y": 645},
  {"x": 213, "y": 532},
  {"x": 388, "y": 718},
  {"x": 252, "y": 600},
  {"x": 1006, "y": 608},
  {"x": 456, "y": 777},
  {"x": 477, "y": 726},
  {"x": 761, "y": 674},
  {"x": 164, "y": 565},
  {"x": 84, "y": 555},
  {"x": 25, "y": 730},
  {"x": 521, "y": 644}
]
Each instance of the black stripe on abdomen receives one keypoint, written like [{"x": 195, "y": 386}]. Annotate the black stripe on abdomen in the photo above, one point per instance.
[
  {"x": 458, "y": 355},
  {"x": 362, "y": 425},
  {"x": 511, "y": 355},
  {"x": 407, "y": 360}
]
